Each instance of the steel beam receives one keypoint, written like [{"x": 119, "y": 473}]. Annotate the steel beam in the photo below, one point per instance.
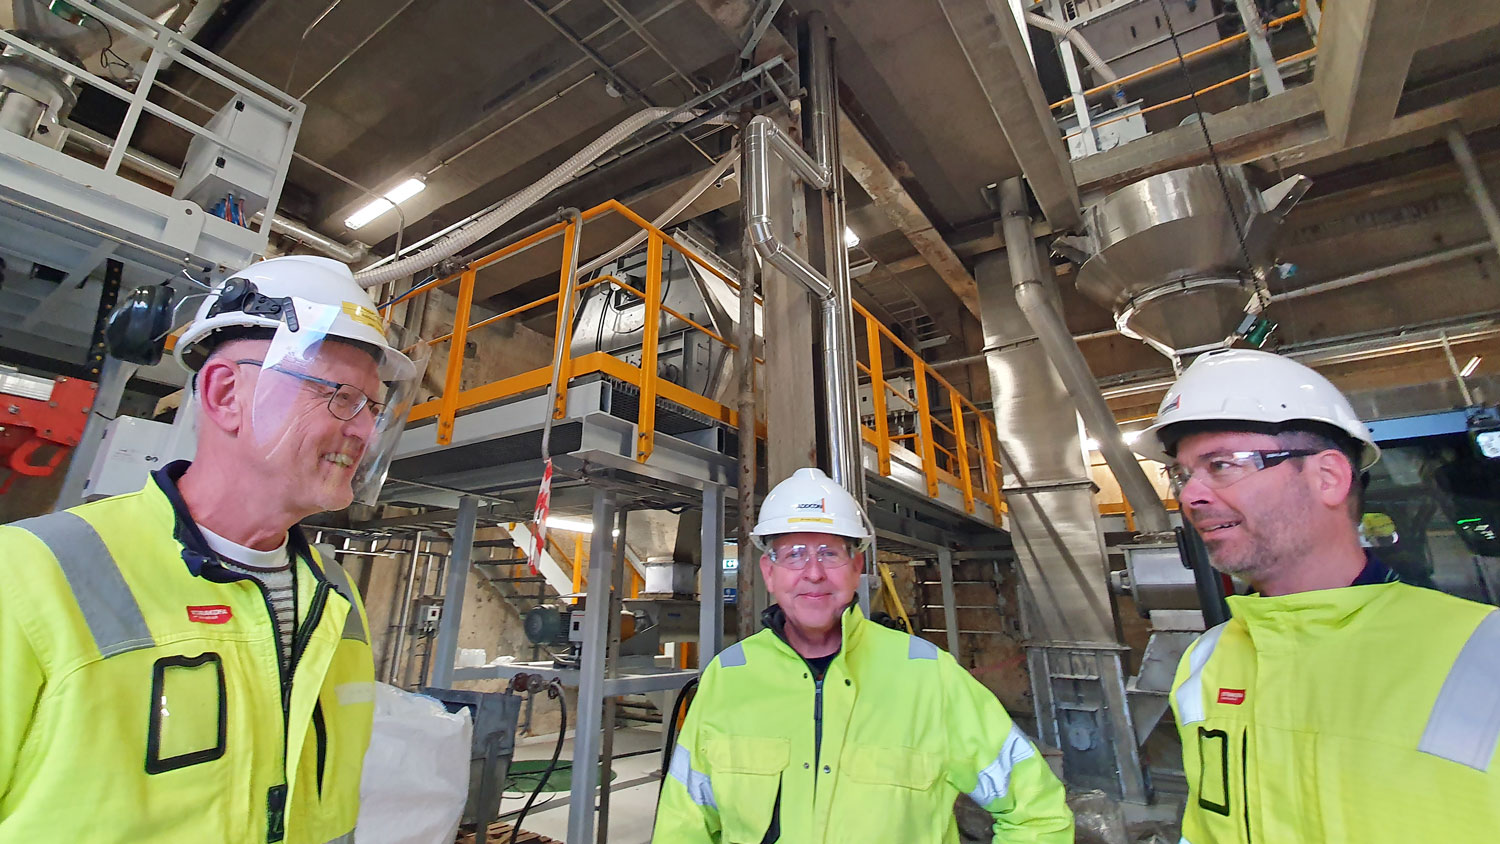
[
  {"x": 950, "y": 611},
  {"x": 711, "y": 577},
  {"x": 459, "y": 556},
  {"x": 588, "y": 738}
]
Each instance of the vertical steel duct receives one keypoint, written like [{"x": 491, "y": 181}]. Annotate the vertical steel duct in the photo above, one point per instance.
[
  {"x": 1033, "y": 299},
  {"x": 844, "y": 450},
  {"x": 1073, "y": 656}
]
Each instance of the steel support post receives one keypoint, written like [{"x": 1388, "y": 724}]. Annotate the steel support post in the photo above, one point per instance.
[
  {"x": 1075, "y": 81},
  {"x": 1479, "y": 193},
  {"x": 1260, "y": 46},
  {"x": 587, "y": 739},
  {"x": 711, "y": 578},
  {"x": 459, "y": 556},
  {"x": 950, "y": 604},
  {"x": 611, "y": 667},
  {"x": 113, "y": 377}
]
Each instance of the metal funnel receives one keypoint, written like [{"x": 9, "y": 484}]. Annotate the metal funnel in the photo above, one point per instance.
[{"x": 1164, "y": 254}]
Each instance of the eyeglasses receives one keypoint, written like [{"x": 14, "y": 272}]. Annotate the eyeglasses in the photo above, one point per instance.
[
  {"x": 797, "y": 557},
  {"x": 346, "y": 400},
  {"x": 1225, "y": 469}
]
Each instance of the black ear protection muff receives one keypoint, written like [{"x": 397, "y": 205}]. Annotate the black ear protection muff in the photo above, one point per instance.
[{"x": 137, "y": 329}]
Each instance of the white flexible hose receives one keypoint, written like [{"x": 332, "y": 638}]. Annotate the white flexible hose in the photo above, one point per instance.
[
  {"x": 455, "y": 242},
  {"x": 1072, "y": 34},
  {"x": 665, "y": 218}
]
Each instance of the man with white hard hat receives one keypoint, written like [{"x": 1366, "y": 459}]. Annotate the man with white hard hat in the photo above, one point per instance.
[
  {"x": 1337, "y": 704},
  {"x": 827, "y": 727},
  {"x": 179, "y": 664}
]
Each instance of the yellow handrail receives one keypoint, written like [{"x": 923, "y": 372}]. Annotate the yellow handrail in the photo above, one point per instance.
[{"x": 960, "y": 453}]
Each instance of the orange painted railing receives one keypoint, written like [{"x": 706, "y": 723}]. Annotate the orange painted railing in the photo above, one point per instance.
[
  {"x": 967, "y": 444},
  {"x": 1159, "y": 67}
]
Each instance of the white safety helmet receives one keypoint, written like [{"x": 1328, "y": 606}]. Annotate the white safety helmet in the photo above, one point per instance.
[
  {"x": 277, "y": 293},
  {"x": 810, "y": 502},
  {"x": 1267, "y": 390},
  {"x": 299, "y": 303}
]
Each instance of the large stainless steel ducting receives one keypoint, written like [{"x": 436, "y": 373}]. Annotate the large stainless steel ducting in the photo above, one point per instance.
[
  {"x": 1181, "y": 257},
  {"x": 1077, "y": 677},
  {"x": 1036, "y": 302}
]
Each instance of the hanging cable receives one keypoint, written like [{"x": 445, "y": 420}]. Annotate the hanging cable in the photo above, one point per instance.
[
  {"x": 554, "y": 691},
  {"x": 1213, "y": 155},
  {"x": 671, "y": 728}
]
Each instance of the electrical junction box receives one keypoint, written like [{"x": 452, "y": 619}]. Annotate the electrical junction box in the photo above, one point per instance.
[{"x": 212, "y": 171}]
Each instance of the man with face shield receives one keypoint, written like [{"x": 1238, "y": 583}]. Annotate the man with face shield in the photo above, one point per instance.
[{"x": 179, "y": 664}]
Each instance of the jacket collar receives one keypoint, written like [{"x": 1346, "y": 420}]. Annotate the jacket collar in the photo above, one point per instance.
[
  {"x": 199, "y": 558},
  {"x": 773, "y": 618},
  {"x": 1306, "y": 611}
]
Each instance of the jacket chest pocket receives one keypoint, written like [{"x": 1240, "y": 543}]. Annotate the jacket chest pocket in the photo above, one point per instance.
[
  {"x": 189, "y": 714},
  {"x": 745, "y": 772},
  {"x": 904, "y": 767}
]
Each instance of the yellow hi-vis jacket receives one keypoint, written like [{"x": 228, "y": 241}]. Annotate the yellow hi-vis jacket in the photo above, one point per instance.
[
  {"x": 1365, "y": 714},
  {"x": 141, "y": 686},
  {"x": 904, "y": 729}
]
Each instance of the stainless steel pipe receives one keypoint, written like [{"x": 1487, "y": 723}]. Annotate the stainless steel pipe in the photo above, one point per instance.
[{"x": 1063, "y": 352}]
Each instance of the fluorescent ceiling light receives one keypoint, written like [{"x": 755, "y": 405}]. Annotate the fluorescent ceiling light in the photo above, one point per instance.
[
  {"x": 1091, "y": 444},
  {"x": 573, "y": 525},
  {"x": 1469, "y": 367},
  {"x": 376, "y": 207},
  {"x": 851, "y": 239}
]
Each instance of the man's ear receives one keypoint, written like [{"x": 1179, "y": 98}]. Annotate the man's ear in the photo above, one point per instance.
[
  {"x": 765, "y": 568},
  {"x": 1332, "y": 478},
  {"x": 219, "y": 395}
]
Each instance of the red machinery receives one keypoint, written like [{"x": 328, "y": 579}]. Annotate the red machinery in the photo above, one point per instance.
[{"x": 37, "y": 413}]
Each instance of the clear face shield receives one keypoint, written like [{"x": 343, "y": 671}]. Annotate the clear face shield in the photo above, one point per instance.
[{"x": 331, "y": 397}]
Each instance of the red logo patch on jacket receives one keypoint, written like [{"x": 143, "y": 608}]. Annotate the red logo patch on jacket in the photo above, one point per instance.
[
  {"x": 212, "y": 614},
  {"x": 1233, "y": 697}
]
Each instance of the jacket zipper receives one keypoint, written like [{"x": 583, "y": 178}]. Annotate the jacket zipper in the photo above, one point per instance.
[
  {"x": 321, "y": 731},
  {"x": 276, "y": 796},
  {"x": 1245, "y": 779}
]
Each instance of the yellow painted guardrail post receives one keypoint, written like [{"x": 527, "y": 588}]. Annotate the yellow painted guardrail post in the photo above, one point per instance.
[
  {"x": 924, "y": 414},
  {"x": 564, "y": 333},
  {"x": 963, "y": 449},
  {"x": 646, "y": 418},
  {"x": 987, "y": 439},
  {"x": 453, "y": 378},
  {"x": 877, "y": 397}
]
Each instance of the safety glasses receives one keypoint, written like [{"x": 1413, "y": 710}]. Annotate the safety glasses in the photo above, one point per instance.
[
  {"x": 344, "y": 402},
  {"x": 1225, "y": 469}
]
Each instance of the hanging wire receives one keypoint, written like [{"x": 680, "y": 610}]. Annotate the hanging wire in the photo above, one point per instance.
[{"x": 1239, "y": 228}]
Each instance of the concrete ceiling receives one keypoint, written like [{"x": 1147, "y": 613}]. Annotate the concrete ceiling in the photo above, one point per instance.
[{"x": 483, "y": 98}]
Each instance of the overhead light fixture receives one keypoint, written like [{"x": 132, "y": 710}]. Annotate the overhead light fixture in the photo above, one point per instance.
[
  {"x": 572, "y": 525},
  {"x": 1469, "y": 367},
  {"x": 851, "y": 239},
  {"x": 1130, "y": 436},
  {"x": 376, "y": 207},
  {"x": 1091, "y": 444}
]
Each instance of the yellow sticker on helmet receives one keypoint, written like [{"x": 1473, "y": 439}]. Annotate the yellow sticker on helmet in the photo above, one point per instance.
[
  {"x": 818, "y": 519},
  {"x": 364, "y": 316}
]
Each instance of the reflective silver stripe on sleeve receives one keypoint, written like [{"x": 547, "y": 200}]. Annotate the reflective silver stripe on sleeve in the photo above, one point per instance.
[
  {"x": 1189, "y": 696},
  {"x": 106, "y": 602},
  {"x": 346, "y": 838},
  {"x": 732, "y": 656},
  {"x": 1465, "y": 721},
  {"x": 698, "y": 786},
  {"x": 994, "y": 780},
  {"x": 340, "y": 582},
  {"x": 920, "y": 648}
]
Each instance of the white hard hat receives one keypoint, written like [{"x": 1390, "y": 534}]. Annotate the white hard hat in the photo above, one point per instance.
[
  {"x": 271, "y": 293},
  {"x": 1264, "y": 389},
  {"x": 810, "y": 502}
]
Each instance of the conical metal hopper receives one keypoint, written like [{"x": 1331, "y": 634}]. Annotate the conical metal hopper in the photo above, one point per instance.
[{"x": 1165, "y": 256}]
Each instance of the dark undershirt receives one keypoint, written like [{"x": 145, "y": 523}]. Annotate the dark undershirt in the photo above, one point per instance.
[
  {"x": 819, "y": 664},
  {"x": 1374, "y": 572}
]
